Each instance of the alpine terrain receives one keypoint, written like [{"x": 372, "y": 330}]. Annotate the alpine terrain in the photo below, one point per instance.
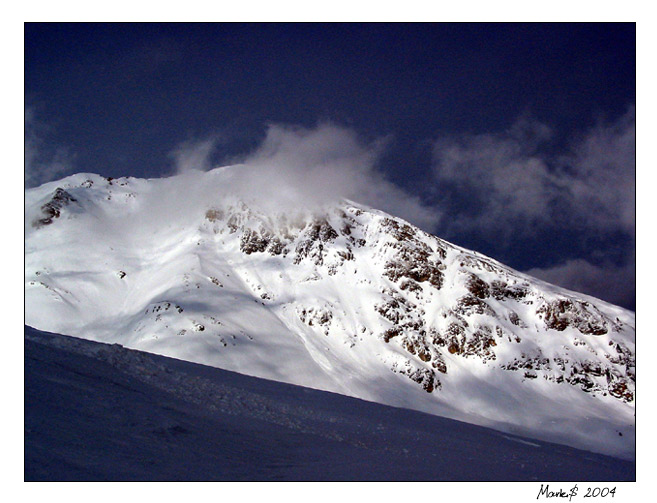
[{"x": 341, "y": 298}]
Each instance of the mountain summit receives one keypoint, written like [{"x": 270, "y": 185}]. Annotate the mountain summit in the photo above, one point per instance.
[{"x": 342, "y": 298}]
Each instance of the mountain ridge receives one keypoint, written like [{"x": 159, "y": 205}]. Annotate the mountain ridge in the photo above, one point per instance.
[{"x": 347, "y": 299}]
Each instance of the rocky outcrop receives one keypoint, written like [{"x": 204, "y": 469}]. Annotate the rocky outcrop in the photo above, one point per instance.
[
  {"x": 563, "y": 313},
  {"x": 312, "y": 241},
  {"x": 259, "y": 242},
  {"x": 487, "y": 305},
  {"x": 53, "y": 208},
  {"x": 590, "y": 376},
  {"x": 424, "y": 377},
  {"x": 413, "y": 260}
]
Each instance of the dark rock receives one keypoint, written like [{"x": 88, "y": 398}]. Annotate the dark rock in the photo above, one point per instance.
[
  {"x": 52, "y": 209},
  {"x": 390, "y": 333},
  {"x": 469, "y": 304},
  {"x": 477, "y": 287},
  {"x": 563, "y": 313},
  {"x": 501, "y": 290},
  {"x": 214, "y": 215}
]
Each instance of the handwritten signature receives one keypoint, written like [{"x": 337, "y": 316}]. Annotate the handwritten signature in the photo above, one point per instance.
[{"x": 591, "y": 492}]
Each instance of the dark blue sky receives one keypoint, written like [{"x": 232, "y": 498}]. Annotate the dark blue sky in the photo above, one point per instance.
[{"x": 469, "y": 112}]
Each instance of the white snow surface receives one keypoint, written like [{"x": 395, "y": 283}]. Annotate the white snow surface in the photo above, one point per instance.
[
  {"x": 100, "y": 412},
  {"x": 342, "y": 298}
]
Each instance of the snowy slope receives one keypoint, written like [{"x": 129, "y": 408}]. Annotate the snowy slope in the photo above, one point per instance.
[
  {"x": 102, "y": 412},
  {"x": 342, "y": 298}
]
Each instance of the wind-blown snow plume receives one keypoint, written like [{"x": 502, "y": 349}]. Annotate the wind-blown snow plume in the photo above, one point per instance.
[
  {"x": 305, "y": 170},
  {"x": 194, "y": 154}
]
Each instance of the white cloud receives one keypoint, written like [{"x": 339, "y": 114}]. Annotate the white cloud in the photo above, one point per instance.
[
  {"x": 603, "y": 185},
  {"x": 297, "y": 168},
  {"x": 42, "y": 163},
  {"x": 512, "y": 186},
  {"x": 194, "y": 154},
  {"x": 505, "y": 183},
  {"x": 315, "y": 167},
  {"x": 504, "y": 187}
]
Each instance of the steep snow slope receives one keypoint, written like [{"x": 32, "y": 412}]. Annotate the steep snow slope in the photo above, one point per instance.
[
  {"x": 342, "y": 298},
  {"x": 102, "y": 412}
]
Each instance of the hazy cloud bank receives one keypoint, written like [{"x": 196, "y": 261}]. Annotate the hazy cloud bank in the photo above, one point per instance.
[
  {"x": 507, "y": 187},
  {"x": 43, "y": 163},
  {"x": 514, "y": 186},
  {"x": 613, "y": 283},
  {"x": 602, "y": 184}
]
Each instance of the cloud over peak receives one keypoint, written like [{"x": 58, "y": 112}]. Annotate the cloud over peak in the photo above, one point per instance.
[
  {"x": 194, "y": 154},
  {"x": 301, "y": 169}
]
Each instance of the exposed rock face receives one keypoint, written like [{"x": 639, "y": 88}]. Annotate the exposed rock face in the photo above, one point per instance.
[
  {"x": 424, "y": 377},
  {"x": 563, "y": 313},
  {"x": 52, "y": 209},
  {"x": 474, "y": 324},
  {"x": 253, "y": 242},
  {"x": 412, "y": 261},
  {"x": 313, "y": 240},
  {"x": 416, "y": 263}
]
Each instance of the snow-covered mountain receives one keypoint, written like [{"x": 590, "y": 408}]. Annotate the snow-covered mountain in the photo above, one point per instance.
[{"x": 342, "y": 298}]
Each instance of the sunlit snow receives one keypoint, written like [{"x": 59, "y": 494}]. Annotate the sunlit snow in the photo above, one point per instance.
[{"x": 160, "y": 266}]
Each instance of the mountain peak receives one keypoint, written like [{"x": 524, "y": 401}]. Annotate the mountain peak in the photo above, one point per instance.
[{"x": 343, "y": 298}]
